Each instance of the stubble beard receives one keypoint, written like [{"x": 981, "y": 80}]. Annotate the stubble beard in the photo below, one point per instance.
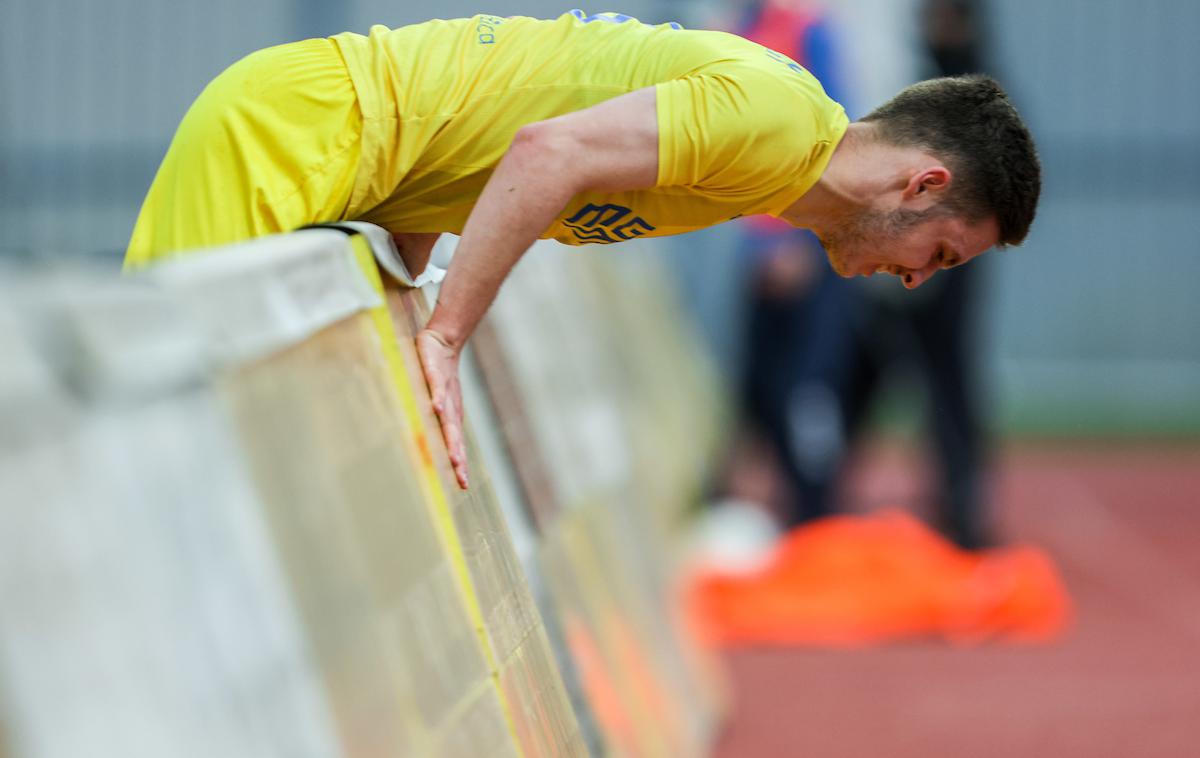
[{"x": 868, "y": 234}]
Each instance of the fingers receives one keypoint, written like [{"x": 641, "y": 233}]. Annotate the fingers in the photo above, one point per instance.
[
  {"x": 451, "y": 420},
  {"x": 440, "y": 365},
  {"x": 452, "y": 431}
]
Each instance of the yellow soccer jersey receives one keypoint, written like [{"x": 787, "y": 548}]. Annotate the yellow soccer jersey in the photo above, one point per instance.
[{"x": 742, "y": 129}]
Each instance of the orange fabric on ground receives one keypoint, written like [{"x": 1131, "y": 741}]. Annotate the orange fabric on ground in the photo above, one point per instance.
[{"x": 854, "y": 580}]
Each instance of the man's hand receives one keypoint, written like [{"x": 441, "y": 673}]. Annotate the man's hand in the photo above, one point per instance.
[{"x": 439, "y": 360}]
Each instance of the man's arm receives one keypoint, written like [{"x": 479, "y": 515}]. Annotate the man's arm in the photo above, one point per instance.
[
  {"x": 415, "y": 249},
  {"x": 610, "y": 146}
]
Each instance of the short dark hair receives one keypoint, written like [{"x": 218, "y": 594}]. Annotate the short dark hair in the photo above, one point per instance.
[{"x": 969, "y": 122}]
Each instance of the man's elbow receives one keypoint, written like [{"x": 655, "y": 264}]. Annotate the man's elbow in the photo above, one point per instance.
[{"x": 544, "y": 146}]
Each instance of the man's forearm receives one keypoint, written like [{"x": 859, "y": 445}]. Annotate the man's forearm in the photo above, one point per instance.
[{"x": 530, "y": 187}]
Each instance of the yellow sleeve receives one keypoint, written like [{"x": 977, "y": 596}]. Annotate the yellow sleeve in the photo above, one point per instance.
[{"x": 736, "y": 133}]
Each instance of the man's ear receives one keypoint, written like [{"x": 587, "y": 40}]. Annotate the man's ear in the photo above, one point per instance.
[{"x": 925, "y": 187}]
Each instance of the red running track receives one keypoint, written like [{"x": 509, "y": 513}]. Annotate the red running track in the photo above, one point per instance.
[{"x": 1124, "y": 526}]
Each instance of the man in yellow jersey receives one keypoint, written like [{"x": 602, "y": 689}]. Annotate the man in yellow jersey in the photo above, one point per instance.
[{"x": 583, "y": 129}]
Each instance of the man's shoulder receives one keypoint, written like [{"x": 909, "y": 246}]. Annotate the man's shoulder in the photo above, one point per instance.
[{"x": 740, "y": 59}]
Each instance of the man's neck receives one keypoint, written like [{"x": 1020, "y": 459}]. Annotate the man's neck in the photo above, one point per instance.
[{"x": 860, "y": 169}]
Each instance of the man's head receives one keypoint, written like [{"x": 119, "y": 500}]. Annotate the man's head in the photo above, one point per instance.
[{"x": 971, "y": 180}]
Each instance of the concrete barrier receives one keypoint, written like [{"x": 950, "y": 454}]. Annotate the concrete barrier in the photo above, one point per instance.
[{"x": 229, "y": 526}]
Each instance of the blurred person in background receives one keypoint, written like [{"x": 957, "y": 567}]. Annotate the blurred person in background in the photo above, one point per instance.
[
  {"x": 930, "y": 334},
  {"x": 583, "y": 129},
  {"x": 820, "y": 348},
  {"x": 799, "y": 339}
]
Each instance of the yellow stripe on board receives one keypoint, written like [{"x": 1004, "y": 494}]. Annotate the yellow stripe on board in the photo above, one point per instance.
[{"x": 443, "y": 515}]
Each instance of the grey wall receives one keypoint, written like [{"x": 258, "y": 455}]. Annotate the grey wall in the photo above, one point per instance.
[
  {"x": 1097, "y": 316},
  {"x": 91, "y": 93}
]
